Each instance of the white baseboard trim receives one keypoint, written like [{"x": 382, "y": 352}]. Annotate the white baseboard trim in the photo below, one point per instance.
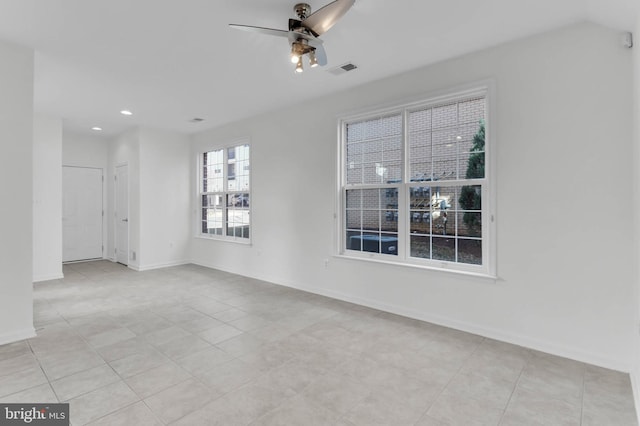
[
  {"x": 142, "y": 268},
  {"x": 635, "y": 386},
  {"x": 16, "y": 336},
  {"x": 552, "y": 348},
  {"x": 39, "y": 278}
]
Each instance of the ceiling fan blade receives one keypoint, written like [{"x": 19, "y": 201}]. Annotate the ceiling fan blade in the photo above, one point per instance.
[
  {"x": 321, "y": 55},
  {"x": 323, "y": 19},
  {"x": 261, "y": 30}
]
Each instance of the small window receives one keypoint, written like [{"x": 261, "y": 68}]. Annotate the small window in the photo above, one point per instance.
[{"x": 225, "y": 198}]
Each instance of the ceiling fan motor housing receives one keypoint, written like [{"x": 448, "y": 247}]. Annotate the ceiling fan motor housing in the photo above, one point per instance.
[{"x": 302, "y": 10}]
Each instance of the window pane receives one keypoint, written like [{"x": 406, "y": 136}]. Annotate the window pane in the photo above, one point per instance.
[
  {"x": 212, "y": 214},
  {"x": 469, "y": 224},
  {"x": 420, "y": 247},
  {"x": 443, "y": 249},
  {"x": 212, "y": 171},
  {"x": 447, "y": 142},
  {"x": 470, "y": 206},
  {"x": 372, "y": 220},
  {"x": 374, "y": 150},
  {"x": 238, "y": 168},
  {"x": 373, "y": 242},
  {"x": 238, "y": 215},
  {"x": 470, "y": 251}
]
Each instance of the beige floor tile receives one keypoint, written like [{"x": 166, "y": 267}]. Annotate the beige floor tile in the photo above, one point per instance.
[
  {"x": 14, "y": 350},
  {"x": 100, "y": 402},
  {"x": 228, "y": 376},
  {"x": 165, "y": 335},
  {"x": 240, "y": 407},
  {"x": 21, "y": 380},
  {"x": 137, "y": 414},
  {"x": 492, "y": 391},
  {"x": 220, "y": 334},
  {"x": 84, "y": 382},
  {"x": 157, "y": 379},
  {"x": 337, "y": 393},
  {"x": 66, "y": 364},
  {"x": 204, "y": 360},
  {"x": 177, "y": 401},
  {"x": 378, "y": 409},
  {"x": 110, "y": 337},
  {"x": 11, "y": 365},
  {"x": 42, "y": 393},
  {"x": 298, "y": 411},
  {"x": 183, "y": 346},
  {"x": 137, "y": 363},
  {"x": 461, "y": 410}
]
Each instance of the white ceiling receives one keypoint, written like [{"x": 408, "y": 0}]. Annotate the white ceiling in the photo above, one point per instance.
[{"x": 170, "y": 61}]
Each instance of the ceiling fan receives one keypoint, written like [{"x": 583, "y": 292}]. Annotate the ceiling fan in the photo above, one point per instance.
[{"x": 304, "y": 32}]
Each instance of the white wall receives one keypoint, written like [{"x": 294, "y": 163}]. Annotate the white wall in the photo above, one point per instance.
[
  {"x": 80, "y": 150},
  {"x": 165, "y": 198},
  {"x": 564, "y": 209},
  {"x": 159, "y": 196},
  {"x": 84, "y": 150},
  {"x": 47, "y": 198},
  {"x": 635, "y": 373},
  {"x": 16, "y": 193}
]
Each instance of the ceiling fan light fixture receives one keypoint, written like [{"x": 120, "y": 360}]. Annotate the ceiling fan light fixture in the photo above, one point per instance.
[
  {"x": 299, "y": 67},
  {"x": 313, "y": 61},
  {"x": 295, "y": 56}
]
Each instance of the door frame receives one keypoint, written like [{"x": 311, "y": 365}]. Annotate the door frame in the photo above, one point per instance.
[{"x": 115, "y": 212}]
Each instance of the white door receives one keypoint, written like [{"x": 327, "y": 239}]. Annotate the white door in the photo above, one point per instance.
[
  {"x": 81, "y": 213},
  {"x": 122, "y": 214}
]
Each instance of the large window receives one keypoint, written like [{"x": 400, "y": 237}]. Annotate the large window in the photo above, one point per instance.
[
  {"x": 414, "y": 186},
  {"x": 225, "y": 195}
]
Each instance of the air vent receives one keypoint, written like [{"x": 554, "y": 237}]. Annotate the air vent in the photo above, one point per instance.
[
  {"x": 196, "y": 120},
  {"x": 341, "y": 69}
]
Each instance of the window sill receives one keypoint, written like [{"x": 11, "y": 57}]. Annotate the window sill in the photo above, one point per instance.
[
  {"x": 244, "y": 242},
  {"x": 480, "y": 275}
]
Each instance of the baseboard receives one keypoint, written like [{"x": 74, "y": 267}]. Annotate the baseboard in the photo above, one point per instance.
[
  {"x": 515, "y": 339},
  {"x": 142, "y": 268},
  {"x": 16, "y": 336},
  {"x": 635, "y": 386},
  {"x": 39, "y": 278}
]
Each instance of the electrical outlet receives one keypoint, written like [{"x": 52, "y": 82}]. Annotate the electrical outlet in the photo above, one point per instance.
[{"x": 133, "y": 255}]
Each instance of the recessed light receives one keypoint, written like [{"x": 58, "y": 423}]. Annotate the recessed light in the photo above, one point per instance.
[
  {"x": 97, "y": 129},
  {"x": 126, "y": 112}
]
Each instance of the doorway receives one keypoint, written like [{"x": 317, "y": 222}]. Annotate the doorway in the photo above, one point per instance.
[
  {"x": 82, "y": 213},
  {"x": 122, "y": 214}
]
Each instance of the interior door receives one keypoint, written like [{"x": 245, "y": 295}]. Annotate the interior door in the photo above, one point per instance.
[
  {"x": 81, "y": 213},
  {"x": 122, "y": 214}
]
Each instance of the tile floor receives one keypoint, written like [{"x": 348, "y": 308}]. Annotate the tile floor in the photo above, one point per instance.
[{"x": 190, "y": 345}]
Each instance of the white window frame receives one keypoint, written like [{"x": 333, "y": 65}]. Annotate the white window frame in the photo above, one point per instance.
[
  {"x": 225, "y": 193},
  {"x": 489, "y": 268}
]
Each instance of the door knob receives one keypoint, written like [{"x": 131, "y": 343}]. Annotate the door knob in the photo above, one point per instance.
[{"x": 125, "y": 220}]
